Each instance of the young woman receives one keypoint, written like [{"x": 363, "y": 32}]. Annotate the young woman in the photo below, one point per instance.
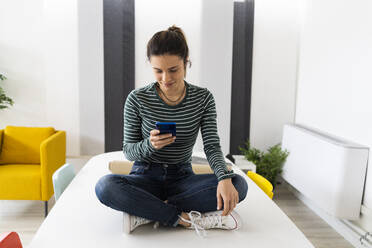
[{"x": 161, "y": 186}]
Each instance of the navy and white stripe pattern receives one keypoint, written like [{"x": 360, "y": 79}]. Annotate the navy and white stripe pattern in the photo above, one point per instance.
[{"x": 143, "y": 108}]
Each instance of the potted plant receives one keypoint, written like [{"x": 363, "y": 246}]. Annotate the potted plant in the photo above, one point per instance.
[
  {"x": 268, "y": 164},
  {"x": 5, "y": 101}
]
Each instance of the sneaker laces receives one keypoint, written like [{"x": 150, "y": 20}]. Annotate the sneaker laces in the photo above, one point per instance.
[
  {"x": 211, "y": 220},
  {"x": 196, "y": 221},
  {"x": 139, "y": 221}
]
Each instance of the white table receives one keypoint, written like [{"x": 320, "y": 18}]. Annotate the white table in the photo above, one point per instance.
[
  {"x": 78, "y": 219},
  {"x": 243, "y": 163}
]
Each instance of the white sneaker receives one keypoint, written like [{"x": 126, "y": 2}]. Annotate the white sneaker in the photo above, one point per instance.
[
  {"x": 212, "y": 220},
  {"x": 131, "y": 222}
]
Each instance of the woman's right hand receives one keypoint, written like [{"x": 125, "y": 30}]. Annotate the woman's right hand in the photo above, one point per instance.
[{"x": 158, "y": 141}]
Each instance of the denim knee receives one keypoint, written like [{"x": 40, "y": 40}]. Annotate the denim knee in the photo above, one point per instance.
[
  {"x": 102, "y": 187},
  {"x": 241, "y": 186}
]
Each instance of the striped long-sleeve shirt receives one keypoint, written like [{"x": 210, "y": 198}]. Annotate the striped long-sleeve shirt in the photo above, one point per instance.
[{"x": 143, "y": 108}]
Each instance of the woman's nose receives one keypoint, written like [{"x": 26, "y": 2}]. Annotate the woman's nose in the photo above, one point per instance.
[{"x": 165, "y": 77}]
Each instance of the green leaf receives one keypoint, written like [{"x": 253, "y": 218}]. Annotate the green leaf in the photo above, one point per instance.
[
  {"x": 268, "y": 164},
  {"x": 5, "y": 101},
  {"x": 2, "y": 77}
]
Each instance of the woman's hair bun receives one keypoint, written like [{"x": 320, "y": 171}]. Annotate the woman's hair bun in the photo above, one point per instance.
[
  {"x": 174, "y": 28},
  {"x": 170, "y": 41}
]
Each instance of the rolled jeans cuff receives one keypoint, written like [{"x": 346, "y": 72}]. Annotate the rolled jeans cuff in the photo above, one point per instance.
[
  {"x": 176, "y": 223},
  {"x": 174, "y": 220}
]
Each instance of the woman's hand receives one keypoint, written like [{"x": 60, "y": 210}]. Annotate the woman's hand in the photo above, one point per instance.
[
  {"x": 158, "y": 141},
  {"x": 227, "y": 194}
]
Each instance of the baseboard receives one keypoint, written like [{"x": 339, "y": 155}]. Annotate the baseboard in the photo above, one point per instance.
[
  {"x": 365, "y": 221},
  {"x": 79, "y": 157},
  {"x": 335, "y": 223},
  {"x": 367, "y": 212}
]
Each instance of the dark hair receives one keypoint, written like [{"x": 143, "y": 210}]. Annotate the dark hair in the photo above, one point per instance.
[{"x": 171, "y": 41}]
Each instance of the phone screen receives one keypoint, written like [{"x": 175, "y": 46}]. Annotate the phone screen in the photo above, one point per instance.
[{"x": 166, "y": 127}]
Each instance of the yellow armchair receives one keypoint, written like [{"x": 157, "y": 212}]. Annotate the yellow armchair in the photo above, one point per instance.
[
  {"x": 28, "y": 158},
  {"x": 262, "y": 182}
]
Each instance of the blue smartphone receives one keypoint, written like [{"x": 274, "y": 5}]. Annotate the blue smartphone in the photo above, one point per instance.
[{"x": 166, "y": 127}]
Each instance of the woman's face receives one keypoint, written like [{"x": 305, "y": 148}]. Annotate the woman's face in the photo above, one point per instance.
[{"x": 169, "y": 71}]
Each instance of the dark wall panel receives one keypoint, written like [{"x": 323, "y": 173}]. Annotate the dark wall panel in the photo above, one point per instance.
[
  {"x": 241, "y": 74},
  {"x": 118, "y": 67}
]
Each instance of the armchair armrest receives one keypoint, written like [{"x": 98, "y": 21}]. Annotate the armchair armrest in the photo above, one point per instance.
[
  {"x": 52, "y": 156},
  {"x": 1, "y": 138}
]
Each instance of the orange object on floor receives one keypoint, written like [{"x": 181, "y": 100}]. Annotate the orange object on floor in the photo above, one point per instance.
[{"x": 10, "y": 240}]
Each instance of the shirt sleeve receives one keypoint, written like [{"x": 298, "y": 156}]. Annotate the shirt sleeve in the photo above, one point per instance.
[
  {"x": 135, "y": 147},
  {"x": 211, "y": 140}
]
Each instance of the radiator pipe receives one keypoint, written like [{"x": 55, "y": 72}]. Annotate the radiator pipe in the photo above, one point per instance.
[{"x": 364, "y": 237}]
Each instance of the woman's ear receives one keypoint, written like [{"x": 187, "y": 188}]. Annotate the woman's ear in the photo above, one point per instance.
[{"x": 189, "y": 61}]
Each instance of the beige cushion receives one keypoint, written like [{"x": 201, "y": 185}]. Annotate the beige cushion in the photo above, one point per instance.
[{"x": 124, "y": 167}]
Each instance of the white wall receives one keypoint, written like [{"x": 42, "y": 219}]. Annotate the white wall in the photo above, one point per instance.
[
  {"x": 74, "y": 72},
  {"x": 38, "y": 48},
  {"x": 334, "y": 80},
  {"x": 52, "y": 53},
  {"x": 21, "y": 60},
  {"x": 275, "y": 51},
  {"x": 210, "y": 42},
  {"x": 61, "y": 76},
  {"x": 216, "y": 62},
  {"x": 91, "y": 77}
]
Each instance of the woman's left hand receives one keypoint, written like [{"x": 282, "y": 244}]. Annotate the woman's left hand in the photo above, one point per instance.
[{"x": 226, "y": 194}]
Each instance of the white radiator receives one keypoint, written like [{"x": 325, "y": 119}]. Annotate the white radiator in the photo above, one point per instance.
[{"x": 327, "y": 170}]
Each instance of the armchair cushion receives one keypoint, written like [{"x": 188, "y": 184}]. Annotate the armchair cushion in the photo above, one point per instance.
[
  {"x": 21, "y": 145},
  {"x": 20, "y": 182}
]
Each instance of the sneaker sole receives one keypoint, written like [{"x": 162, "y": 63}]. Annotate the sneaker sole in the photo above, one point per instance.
[
  {"x": 126, "y": 223},
  {"x": 237, "y": 219}
]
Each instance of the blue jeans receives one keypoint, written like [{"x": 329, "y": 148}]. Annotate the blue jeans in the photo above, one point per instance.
[{"x": 143, "y": 192}]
